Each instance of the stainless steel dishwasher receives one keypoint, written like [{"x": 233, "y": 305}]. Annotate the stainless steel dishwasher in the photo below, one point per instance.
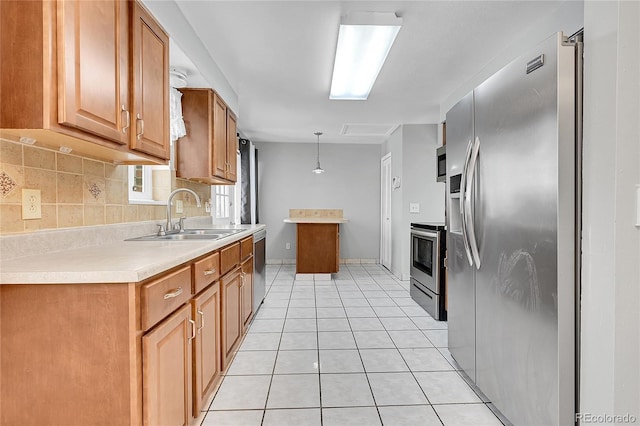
[{"x": 259, "y": 277}]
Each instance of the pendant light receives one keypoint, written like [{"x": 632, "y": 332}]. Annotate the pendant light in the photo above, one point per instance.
[{"x": 318, "y": 169}]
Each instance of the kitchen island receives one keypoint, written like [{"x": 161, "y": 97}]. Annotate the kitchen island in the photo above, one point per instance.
[{"x": 317, "y": 239}]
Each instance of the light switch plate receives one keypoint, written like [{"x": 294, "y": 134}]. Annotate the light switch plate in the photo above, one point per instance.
[
  {"x": 179, "y": 207},
  {"x": 31, "y": 204},
  {"x": 414, "y": 207}
]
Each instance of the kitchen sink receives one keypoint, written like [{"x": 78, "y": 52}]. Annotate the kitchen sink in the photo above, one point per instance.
[{"x": 189, "y": 234}]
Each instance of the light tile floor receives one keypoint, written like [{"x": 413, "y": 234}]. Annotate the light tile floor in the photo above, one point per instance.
[{"x": 355, "y": 350}]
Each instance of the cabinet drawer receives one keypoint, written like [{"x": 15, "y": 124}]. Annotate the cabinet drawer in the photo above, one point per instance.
[
  {"x": 229, "y": 258},
  {"x": 162, "y": 296},
  {"x": 246, "y": 247},
  {"x": 205, "y": 271}
]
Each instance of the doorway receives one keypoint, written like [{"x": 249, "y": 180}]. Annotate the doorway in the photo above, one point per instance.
[{"x": 385, "y": 211}]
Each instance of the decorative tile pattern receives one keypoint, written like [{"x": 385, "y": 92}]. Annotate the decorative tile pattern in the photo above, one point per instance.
[
  {"x": 95, "y": 190},
  {"x": 7, "y": 184}
]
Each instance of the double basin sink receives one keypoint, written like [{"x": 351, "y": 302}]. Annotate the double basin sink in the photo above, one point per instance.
[{"x": 189, "y": 234}]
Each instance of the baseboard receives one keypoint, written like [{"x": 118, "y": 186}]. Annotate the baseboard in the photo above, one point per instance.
[{"x": 342, "y": 261}]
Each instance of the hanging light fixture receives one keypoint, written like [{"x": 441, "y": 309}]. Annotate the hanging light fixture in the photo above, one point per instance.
[{"x": 318, "y": 169}]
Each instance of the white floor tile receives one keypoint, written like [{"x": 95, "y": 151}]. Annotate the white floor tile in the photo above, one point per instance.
[
  {"x": 373, "y": 340},
  {"x": 336, "y": 340},
  {"x": 302, "y": 303},
  {"x": 409, "y": 339},
  {"x": 296, "y": 341},
  {"x": 382, "y": 360},
  {"x": 428, "y": 323},
  {"x": 271, "y": 313},
  {"x": 241, "y": 393},
  {"x": 292, "y": 417},
  {"x": 266, "y": 326},
  {"x": 381, "y": 301},
  {"x": 297, "y": 362},
  {"x": 398, "y": 324},
  {"x": 299, "y": 324},
  {"x": 356, "y": 416},
  {"x": 412, "y": 415},
  {"x": 301, "y": 313},
  {"x": 446, "y": 387},
  {"x": 331, "y": 312},
  {"x": 293, "y": 391},
  {"x": 340, "y": 361},
  {"x": 233, "y": 418},
  {"x": 439, "y": 338},
  {"x": 252, "y": 363},
  {"x": 333, "y": 324},
  {"x": 345, "y": 390},
  {"x": 365, "y": 324},
  {"x": 425, "y": 359},
  {"x": 445, "y": 353},
  {"x": 261, "y": 342},
  {"x": 396, "y": 389},
  {"x": 466, "y": 415},
  {"x": 360, "y": 312},
  {"x": 359, "y": 302},
  {"x": 415, "y": 311},
  {"x": 389, "y": 311},
  {"x": 329, "y": 302}
]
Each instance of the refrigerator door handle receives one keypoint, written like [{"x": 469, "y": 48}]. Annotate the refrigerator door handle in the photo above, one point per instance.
[
  {"x": 468, "y": 209},
  {"x": 463, "y": 185}
]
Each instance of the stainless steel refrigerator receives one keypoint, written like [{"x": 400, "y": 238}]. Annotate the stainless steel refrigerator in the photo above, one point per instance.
[{"x": 513, "y": 214}]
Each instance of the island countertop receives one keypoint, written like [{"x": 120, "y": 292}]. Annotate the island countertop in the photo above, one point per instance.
[{"x": 316, "y": 220}]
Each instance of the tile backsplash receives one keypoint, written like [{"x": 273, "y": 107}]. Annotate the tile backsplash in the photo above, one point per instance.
[{"x": 75, "y": 191}]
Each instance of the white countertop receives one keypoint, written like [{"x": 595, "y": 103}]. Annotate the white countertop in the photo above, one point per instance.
[
  {"x": 316, "y": 220},
  {"x": 125, "y": 261}
]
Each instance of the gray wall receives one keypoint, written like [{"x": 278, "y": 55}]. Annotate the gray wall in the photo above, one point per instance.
[
  {"x": 413, "y": 152},
  {"x": 351, "y": 182}
]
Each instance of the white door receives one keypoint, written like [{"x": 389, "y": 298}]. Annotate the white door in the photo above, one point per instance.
[{"x": 385, "y": 211}]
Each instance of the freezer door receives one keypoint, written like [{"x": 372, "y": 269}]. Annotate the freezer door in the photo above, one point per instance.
[
  {"x": 461, "y": 286},
  {"x": 524, "y": 223}
]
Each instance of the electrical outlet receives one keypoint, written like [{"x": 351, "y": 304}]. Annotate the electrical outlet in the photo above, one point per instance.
[
  {"x": 287, "y": 246},
  {"x": 414, "y": 207},
  {"x": 179, "y": 207},
  {"x": 207, "y": 207},
  {"x": 31, "y": 204}
]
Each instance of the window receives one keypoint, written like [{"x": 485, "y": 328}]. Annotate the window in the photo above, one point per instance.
[
  {"x": 222, "y": 196},
  {"x": 142, "y": 185}
]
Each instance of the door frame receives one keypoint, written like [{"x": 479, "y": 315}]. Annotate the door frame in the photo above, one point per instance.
[{"x": 385, "y": 196}]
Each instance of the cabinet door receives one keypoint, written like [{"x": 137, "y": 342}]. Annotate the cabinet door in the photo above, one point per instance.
[
  {"x": 206, "y": 351},
  {"x": 231, "y": 310},
  {"x": 219, "y": 162},
  {"x": 166, "y": 370},
  {"x": 150, "y": 45},
  {"x": 232, "y": 146},
  {"x": 93, "y": 67},
  {"x": 247, "y": 291}
]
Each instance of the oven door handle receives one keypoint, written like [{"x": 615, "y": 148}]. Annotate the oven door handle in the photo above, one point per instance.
[
  {"x": 424, "y": 234},
  {"x": 463, "y": 188},
  {"x": 468, "y": 207}
]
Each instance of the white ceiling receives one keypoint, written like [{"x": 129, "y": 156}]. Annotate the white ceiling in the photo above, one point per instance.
[{"x": 278, "y": 57}]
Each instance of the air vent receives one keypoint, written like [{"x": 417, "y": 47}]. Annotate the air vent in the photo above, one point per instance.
[{"x": 368, "y": 129}]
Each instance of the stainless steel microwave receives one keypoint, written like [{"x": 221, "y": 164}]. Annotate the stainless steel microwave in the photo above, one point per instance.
[{"x": 441, "y": 165}]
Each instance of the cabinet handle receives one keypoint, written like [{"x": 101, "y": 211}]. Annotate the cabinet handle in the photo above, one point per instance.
[
  {"x": 139, "y": 119},
  {"x": 173, "y": 293},
  {"x": 210, "y": 271},
  {"x": 124, "y": 129},
  {"x": 193, "y": 329},
  {"x": 201, "y": 320},
  {"x": 242, "y": 274}
]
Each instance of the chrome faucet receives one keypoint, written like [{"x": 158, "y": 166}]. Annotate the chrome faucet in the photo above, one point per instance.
[{"x": 181, "y": 223}]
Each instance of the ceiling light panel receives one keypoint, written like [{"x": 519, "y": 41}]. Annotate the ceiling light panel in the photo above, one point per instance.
[{"x": 364, "y": 41}]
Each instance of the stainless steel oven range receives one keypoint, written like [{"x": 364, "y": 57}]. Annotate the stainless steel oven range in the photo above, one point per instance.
[{"x": 427, "y": 267}]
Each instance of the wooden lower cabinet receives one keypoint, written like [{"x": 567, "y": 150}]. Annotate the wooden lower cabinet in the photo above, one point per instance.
[
  {"x": 231, "y": 311},
  {"x": 167, "y": 371},
  {"x": 206, "y": 348},
  {"x": 247, "y": 292}
]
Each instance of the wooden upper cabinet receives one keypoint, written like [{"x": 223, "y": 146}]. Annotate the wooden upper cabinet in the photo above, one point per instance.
[
  {"x": 232, "y": 146},
  {"x": 204, "y": 153},
  {"x": 150, "y": 81},
  {"x": 81, "y": 74},
  {"x": 93, "y": 67}
]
